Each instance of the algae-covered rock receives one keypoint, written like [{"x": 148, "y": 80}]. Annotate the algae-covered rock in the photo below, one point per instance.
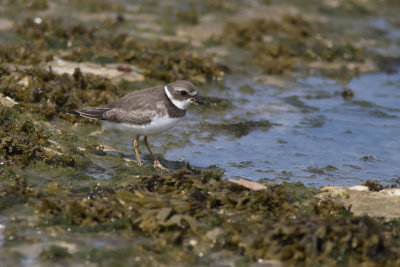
[
  {"x": 21, "y": 142},
  {"x": 372, "y": 200},
  {"x": 7, "y": 101},
  {"x": 282, "y": 46},
  {"x": 51, "y": 94},
  {"x": 25, "y": 142}
]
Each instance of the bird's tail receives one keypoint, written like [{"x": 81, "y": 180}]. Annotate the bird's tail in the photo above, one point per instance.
[{"x": 91, "y": 113}]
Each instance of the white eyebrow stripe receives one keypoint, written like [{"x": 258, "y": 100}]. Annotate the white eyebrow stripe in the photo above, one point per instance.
[
  {"x": 184, "y": 89},
  {"x": 177, "y": 103}
]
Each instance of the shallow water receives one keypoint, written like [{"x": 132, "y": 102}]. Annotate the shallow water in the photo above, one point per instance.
[{"x": 318, "y": 138}]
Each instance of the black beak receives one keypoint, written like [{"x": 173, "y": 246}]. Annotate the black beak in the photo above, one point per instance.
[{"x": 197, "y": 100}]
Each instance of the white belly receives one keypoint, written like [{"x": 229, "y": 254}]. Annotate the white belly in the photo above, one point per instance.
[{"x": 157, "y": 125}]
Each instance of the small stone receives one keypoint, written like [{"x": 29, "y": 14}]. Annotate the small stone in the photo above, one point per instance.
[
  {"x": 249, "y": 184},
  {"x": 7, "y": 101}
]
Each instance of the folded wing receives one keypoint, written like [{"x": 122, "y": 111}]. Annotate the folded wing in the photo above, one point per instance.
[{"x": 91, "y": 113}]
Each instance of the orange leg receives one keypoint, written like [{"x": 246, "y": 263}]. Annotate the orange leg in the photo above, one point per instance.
[
  {"x": 135, "y": 147},
  {"x": 157, "y": 164}
]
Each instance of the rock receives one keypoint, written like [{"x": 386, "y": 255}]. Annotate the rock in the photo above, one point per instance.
[
  {"x": 249, "y": 184},
  {"x": 110, "y": 71},
  {"x": 385, "y": 203},
  {"x": 7, "y": 101}
]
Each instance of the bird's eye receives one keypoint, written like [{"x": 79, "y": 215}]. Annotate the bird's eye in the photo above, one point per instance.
[{"x": 183, "y": 93}]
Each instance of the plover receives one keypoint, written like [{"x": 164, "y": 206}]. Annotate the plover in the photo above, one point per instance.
[{"x": 146, "y": 112}]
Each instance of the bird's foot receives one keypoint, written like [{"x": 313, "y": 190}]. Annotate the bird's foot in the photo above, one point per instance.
[
  {"x": 157, "y": 164},
  {"x": 139, "y": 163}
]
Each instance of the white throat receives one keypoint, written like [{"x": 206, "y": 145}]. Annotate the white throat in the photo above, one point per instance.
[{"x": 177, "y": 103}]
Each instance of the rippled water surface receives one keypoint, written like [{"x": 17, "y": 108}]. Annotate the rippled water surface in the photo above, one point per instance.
[{"x": 317, "y": 137}]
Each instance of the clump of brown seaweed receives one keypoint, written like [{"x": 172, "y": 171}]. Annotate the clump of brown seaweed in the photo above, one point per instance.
[
  {"x": 21, "y": 142},
  {"x": 188, "y": 16},
  {"x": 280, "y": 46},
  {"x": 25, "y": 143},
  {"x": 269, "y": 224}
]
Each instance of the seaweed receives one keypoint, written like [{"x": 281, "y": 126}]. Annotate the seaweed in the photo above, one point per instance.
[
  {"x": 21, "y": 142},
  {"x": 347, "y": 94},
  {"x": 176, "y": 66},
  {"x": 351, "y": 7},
  {"x": 374, "y": 186},
  {"x": 281, "y": 46},
  {"x": 55, "y": 253},
  {"x": 28, "y": 4},
  {"x": 189, "y": 204},
  {"x": 50, "y": 94},
  {"x": 98, "y": 5},
  {"x": 189, "y": 16},
  {"x": 24, "y": 142},
  {"x": 15, "y": 193},
  {"x": 162, "y": 60},
  {"x": 217, "y": 103},
  {"x": 237, "y": 129},
  {"x": 26, "y": 54},
  {"x": 184, "y": 210}
]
